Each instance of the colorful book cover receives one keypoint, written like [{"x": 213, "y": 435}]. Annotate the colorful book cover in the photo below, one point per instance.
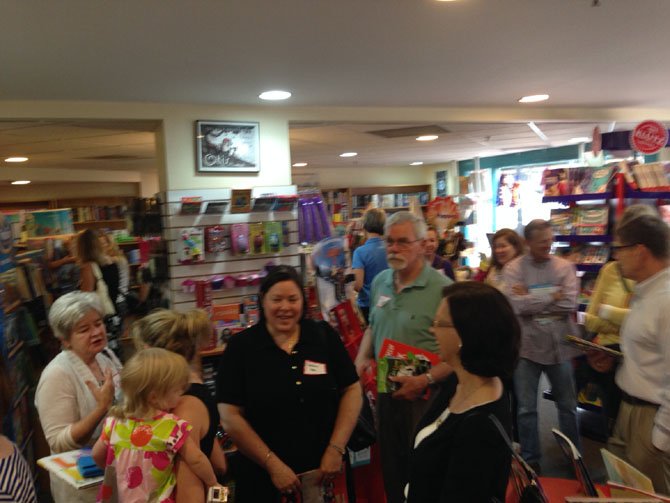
[
  {"x": 313, "y": 489},
  {"x": 592, "y": 220},
  {"x": 561, "y": 221},
  {"x": 398, "y": 359},
  {"x": 64, "y": 466},
  {"x": 226, "y": 320},
  {"x": 191, "y": 205},
  {"x": 600, "y": 179}
]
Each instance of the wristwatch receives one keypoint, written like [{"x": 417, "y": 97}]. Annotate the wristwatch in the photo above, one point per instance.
[{"x": 429, "y": 378}]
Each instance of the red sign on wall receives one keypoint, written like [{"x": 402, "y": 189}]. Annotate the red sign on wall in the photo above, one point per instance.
[{"x": 649, "y": 137}]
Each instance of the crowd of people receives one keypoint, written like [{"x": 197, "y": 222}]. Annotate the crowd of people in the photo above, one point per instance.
[{"x": 288, "y": 393}]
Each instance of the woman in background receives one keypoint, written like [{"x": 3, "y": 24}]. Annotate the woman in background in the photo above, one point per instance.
[
  {"x": 99, "y": 273},
  {"x": 459, "y": 455},
  {"x": 439, "y": 263},
  {"x": 506, "y": 245},
  {"x": 186, "y": 334}
]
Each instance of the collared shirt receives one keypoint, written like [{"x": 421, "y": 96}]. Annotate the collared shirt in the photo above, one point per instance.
[
  {"x": 371, "y": 258},
  {"x": 544, "y": 321},
  {"x": 645, "y": 342},
  {"x": 407, "y": 315},
  {"x": 290, "y": 400}
]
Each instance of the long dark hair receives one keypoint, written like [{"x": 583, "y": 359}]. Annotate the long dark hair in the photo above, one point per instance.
[{"x": 276, "y": 275}]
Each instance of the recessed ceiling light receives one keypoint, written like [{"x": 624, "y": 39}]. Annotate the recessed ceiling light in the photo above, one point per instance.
[
  {"x": 580, "y": 139},
  {"x": 300, "y": 165},
  {"x": 16, "y": 159},
  {"x": 417, "y": 163},
  {"x": 427, "y": 137},
  {"x": 275, "y": 95},
  {"x": 21, "y": 182},
  {"x": 349, "y": 154},
  {"x": 534, "y": 98}
]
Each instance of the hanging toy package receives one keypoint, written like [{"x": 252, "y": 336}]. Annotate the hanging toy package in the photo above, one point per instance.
[
  {"x": 273, "y": 237},
  {"x": 239, "y": 239},
  {"x": 256, "y": 238},
  {"x": 189, "y": 246},
  {"x": 215, "y": 239}
]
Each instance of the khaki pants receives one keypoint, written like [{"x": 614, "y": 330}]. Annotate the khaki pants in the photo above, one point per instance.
[{"x": 631, "y": 441}]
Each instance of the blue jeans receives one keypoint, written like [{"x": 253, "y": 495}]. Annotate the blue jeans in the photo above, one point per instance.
[{"x": 526, "y": 380}]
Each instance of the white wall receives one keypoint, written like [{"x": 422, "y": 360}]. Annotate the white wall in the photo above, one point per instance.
[
  {"x": 359, "y": 176},
  {"x": 53, "y": 191}
]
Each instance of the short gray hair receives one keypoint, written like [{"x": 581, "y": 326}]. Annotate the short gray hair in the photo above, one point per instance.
[
  {"x": 535, "y": 226},
  {"x": 69, "y": 309},
  {"x": 402, "y": 217}
]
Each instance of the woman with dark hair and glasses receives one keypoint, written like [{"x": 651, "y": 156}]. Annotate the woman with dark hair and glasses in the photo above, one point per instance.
[
  {"x": 459, "y": 455},
  {"x": 288, "y": 394}
]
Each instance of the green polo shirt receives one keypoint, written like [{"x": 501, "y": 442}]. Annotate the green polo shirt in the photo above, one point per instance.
[{"x": 406, "y": 316}]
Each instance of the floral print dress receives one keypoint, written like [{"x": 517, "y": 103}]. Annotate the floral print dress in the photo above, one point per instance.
[{"x": 142, "y": 452}]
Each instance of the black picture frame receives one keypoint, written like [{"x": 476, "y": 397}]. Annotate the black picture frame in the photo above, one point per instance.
[{"x": 227, "y": 147}]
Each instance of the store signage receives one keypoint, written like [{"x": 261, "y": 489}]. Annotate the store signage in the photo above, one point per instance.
[{"x": 649, "y": 137}]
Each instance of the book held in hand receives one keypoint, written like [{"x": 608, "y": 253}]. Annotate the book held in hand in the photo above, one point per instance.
[
  {"x": 314, "y": 489},
  {"x": 64, "y": 466},
  {"x": 398, "y": 359},
  {"x": 585, "y": 345}
]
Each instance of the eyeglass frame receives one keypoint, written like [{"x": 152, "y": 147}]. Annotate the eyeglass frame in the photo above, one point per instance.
[
  {"x": 616, "y": 248},
  {"x": 403, "y": 245}
]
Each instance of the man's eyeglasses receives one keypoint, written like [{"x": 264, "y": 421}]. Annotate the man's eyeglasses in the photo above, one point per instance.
[
  {"x": 402, "y": 243},
  {"x": 616, "y": 248},
  {"x": 442, "y": 324}
]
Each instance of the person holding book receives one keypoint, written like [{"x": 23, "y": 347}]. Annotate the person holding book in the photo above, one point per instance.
[
  {"x": 185, "y": 334},
  {"x": 16, "y": 481},
  {"x": 507, "y": 245},
  {"x": 642, "y": 430},
  {"x": 459, "y": 454},
  {"x": 542, "y": 289},
  {"x": 77, "y": 388},
  {"x": 140, "y": 439},
  {"x": 369, "y": 259},
  {"x": 437, "y": 262},
  {"x": 288, "y": 394},
  {"x": 403, "y": 303}
]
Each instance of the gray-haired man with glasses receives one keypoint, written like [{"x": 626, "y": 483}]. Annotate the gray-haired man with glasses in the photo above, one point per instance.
[{"x": 403, "y": 303}]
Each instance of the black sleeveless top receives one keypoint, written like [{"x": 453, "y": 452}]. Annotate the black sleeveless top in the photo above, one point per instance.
[
  {"x": 110, "y": 274},
  {"x": 201, "y": 392}
]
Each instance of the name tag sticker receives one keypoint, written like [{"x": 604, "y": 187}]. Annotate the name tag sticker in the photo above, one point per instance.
[
  {"x": 314, "y": 368},
  {"x": 382, "y": 300}
]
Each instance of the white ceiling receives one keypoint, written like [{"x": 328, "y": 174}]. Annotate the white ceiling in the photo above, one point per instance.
[{"x": 413, "y": 53}]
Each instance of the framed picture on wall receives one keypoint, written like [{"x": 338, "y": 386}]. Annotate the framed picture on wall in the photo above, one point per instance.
[{"x": 227, "y": 147}]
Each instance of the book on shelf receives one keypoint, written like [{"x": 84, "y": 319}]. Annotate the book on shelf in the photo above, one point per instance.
[
  {"x": 190, "y": 205},
  {"x": 216, "y": 207},
  {"x": 561, "y": 220},
  {"x": 64, "y": 466},
  {"x": 398, "y": 359},
  {"x": 591, "y": 220}
]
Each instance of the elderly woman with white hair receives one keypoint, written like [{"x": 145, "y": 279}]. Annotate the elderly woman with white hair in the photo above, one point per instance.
[{"x": 79, "y": 385}]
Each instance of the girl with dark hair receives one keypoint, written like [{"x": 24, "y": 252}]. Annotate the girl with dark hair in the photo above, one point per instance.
[
  {"x": 458, "y": 453},
  {"x": 288, "y": 394}
]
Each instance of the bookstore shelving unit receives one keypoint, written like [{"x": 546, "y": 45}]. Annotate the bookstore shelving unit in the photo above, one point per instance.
[{"x": 347, "y": 203}]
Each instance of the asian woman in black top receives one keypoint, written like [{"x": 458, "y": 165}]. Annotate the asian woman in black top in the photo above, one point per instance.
[
  {"x": 288, "y": 394},
  {"x": 458, "y": 455}
]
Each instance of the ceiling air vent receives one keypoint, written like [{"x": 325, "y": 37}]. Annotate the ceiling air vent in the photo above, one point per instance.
[
  {"x": 412, "y": 131},
  {"x": 115, "y": 157}
]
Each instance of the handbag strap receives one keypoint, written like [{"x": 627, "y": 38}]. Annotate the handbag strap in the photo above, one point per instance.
[{"x": 529, "y": 471}]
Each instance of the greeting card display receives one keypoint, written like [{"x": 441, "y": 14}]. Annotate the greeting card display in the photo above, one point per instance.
[{"x": 190, "y": 246}]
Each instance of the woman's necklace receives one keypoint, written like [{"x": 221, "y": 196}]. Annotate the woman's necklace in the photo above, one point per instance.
[
  {"x": 443, "y": 416},
  {"x": 290, "y": 343}
]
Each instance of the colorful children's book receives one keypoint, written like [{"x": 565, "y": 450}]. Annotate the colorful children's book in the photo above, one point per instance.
[
  {"x": 600, "y": 179},
  {"x": 190, "y": 248},
  {"x": 621, "y": 472},
  {"x": 591, "y": 219},
  {"x": 398, "y": 359},
  {"x": 64, "y": 466},
  {"x": 313, "y": 489},
  {"x": 561, "y": 221},
  {"x": 191, "y": 205}
]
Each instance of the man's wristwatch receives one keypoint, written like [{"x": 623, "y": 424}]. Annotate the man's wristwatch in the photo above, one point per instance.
[{"x": 430, "y": 378}]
